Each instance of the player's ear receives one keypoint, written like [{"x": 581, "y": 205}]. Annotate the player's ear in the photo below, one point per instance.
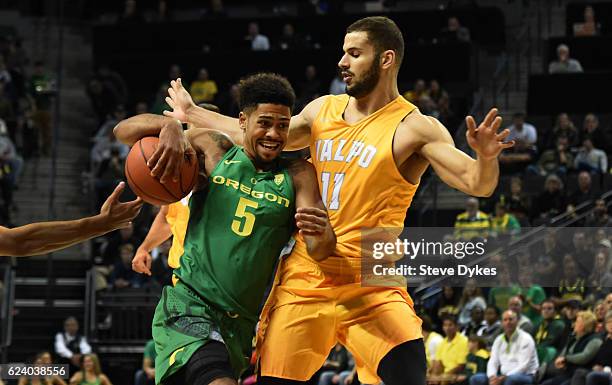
[
  {"x": 242, "y": 120},
  {"x": 387, "y": 58}
]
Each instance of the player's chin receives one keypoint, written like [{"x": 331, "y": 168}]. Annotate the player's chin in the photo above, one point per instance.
[{"x": 268, "y": 154}]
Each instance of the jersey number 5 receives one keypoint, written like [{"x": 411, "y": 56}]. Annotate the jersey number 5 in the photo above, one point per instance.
[
  {"x": 244, "y": 228},
  {"x": 334, "y": 203}
]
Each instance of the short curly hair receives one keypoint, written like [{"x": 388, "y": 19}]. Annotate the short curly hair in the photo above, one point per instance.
[{"x": 265, "y": 88}]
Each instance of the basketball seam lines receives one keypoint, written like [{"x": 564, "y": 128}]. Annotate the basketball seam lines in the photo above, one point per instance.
[{"x": 134, "y": 186}]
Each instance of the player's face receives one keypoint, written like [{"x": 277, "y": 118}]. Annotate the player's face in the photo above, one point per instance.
[
  {"x": 265, "y": 131},
  {"x": 360, "y": 65}
]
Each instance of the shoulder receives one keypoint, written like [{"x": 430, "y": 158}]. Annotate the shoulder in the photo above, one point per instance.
[
  {"x": 426, "y": 128},
  {"x": 311, "y": 110}
]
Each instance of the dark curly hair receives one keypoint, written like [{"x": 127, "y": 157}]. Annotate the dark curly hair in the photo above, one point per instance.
[{"x": 265, "y": 88}]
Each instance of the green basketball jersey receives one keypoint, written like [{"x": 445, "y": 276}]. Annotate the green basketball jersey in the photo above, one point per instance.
[{"x": 237, "y": 228}]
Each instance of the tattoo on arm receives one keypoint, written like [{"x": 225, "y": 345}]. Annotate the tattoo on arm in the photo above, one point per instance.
[{"x": 221, "y": 140}]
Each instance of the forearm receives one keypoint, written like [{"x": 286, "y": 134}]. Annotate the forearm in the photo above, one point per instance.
[
  {"x": 46, "y": 237},
  {"x": 201, "y": 117},
  {"x": 160, "y": 231},
  {"x": 586, "y": 355},
  {"x": 483, "y": 177},
  {"x": 130, "y": 130}
]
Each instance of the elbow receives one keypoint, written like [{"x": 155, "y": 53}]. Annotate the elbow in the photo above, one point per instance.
[{"x": 120, "y": 133}]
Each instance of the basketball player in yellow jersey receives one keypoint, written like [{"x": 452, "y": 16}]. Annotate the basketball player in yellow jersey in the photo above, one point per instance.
[
  {"x": 171, "y": 220},
  {"x": 370, "y": 148}
]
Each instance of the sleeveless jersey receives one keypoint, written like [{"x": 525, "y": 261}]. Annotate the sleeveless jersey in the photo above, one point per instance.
[
  {"x": 237, "y": 228},
  {"x": 177, "y": 218},
  {"x": 359, "y": 181}
]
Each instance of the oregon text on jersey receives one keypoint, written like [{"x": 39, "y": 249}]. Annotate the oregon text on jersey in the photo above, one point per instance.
[{"x": 221, "y": 180}]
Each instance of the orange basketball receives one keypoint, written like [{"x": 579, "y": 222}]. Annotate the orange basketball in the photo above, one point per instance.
[{"x": 147, "y": 187}]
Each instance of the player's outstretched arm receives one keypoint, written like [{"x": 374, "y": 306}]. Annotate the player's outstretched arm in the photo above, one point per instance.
[
  {"x": 166, "y": 161},
  {"x": 185, "y": 110},
  {"x": 476, "y": 177},
  {"x": 159, "y": 232},
  {"x": 46, "y": 237},
  {"x": 311, "y": 216}
]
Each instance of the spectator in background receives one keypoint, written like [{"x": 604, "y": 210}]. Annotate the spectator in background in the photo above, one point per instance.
[
  {"x": 599, "y": 375},
  {"x": 504, "y": 224},
  {"x": 500, "y": 296},
  {"x": 7, "y": 110},
  {"x": 106, "y": 129},
  {"x": 42, "y": 88},
  {"x": 550, "y": 202},
  {"x": 309, "y": 88},
  {"x": 289, "y": 40},
  {"x": 454, "y": 32},
  {"x": 257, "y": 41},
  {"x": 9, "y": 156},
  {"x": 532, "y": 293},
  {"x": 110, "y": 173},
  {"x": 516, "y": 305},
  {"x": 513, "y": 360},
  {"x": 472, "y": 223},
  {"x": 452, "y": 351},
  {"x": 102, "y": 99},
  {"x": 435, "y": 91},
  {"x": 230, "y": 104},
  {"x": 447, "y": 304},
  {"x": 589, "y": 27},
  {"x": 591, "y": 129},
  {"x": 599, "y": 216},
  {"x": 549, "y": 252},
  {"x": 111, "y": 250},
  {"x": 43, "y": 358},
  {"x": 203, "y": 89},
  {"x": 146, "y": 375},
  {"x": 572, "y": 284},
  {"x": 517, "y": 201},
  {"x": 564, "y": 63},
  {"x": 414, "y": 95},
  {"x": 585, "y": 191},
  {"x": 431, "y": 339},
  {"x": 555, "y": 161},
  {"x": 492, "y": 326},
  {"x": 596, "y": 280},
  {"x": 476, "y": 323},
  {"x": 548, "y": 333},
  {"x": 336, "y": 368},
  {"x": 523, "y": 133},
  {"x": 122, "y": 275},
  {"x": 130, "y": 14},
  {"x": 470, "y": 298},
  {"x": 70, "y": 345},
  {"x": 600, "y": 313},
  {"x": 445, "y": 114},
  {"x": 114, "y": 82},
  {"x": 90, "y": 372},
  {"x": 563, "y": 127},
  {"x": 337, "y": 85},
  {"x": 477, "y": 359},
  {"x": 579, "y": 352},
  {"x": 591, "y": 159}
]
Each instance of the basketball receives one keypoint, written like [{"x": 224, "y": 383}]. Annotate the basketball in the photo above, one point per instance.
[{"x": 150, "y": 189}]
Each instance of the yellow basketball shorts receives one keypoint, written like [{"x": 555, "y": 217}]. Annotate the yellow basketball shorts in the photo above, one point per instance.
[{"x": 315, "y": 305}]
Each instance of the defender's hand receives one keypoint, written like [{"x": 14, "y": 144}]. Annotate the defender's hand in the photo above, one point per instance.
[
  {"x": 484, "y": 139},
  {"x": 311, "y": 221},
  {"x": 118, "y": 215},
  {"x": 142, "y": 262},
  {"x": 179, "y": 100}
]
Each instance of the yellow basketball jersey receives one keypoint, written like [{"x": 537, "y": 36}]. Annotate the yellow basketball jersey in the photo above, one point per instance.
[
  {"x": 178, "y": 218},
  {"x": 359, "y": 181}
]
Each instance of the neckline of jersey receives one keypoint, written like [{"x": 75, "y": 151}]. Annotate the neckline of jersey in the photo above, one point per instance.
[
  {"x": 272, "y": 171},
  {"x": 367, "y": 117}
]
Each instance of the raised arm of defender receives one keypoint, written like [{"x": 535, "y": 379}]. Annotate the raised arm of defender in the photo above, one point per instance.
[
  {"x": 430, "y": 139},
  {"x": 185, "y": 110}
]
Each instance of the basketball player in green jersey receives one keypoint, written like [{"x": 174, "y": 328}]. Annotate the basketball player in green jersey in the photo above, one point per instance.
[{"x": 203, "y": 326}]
